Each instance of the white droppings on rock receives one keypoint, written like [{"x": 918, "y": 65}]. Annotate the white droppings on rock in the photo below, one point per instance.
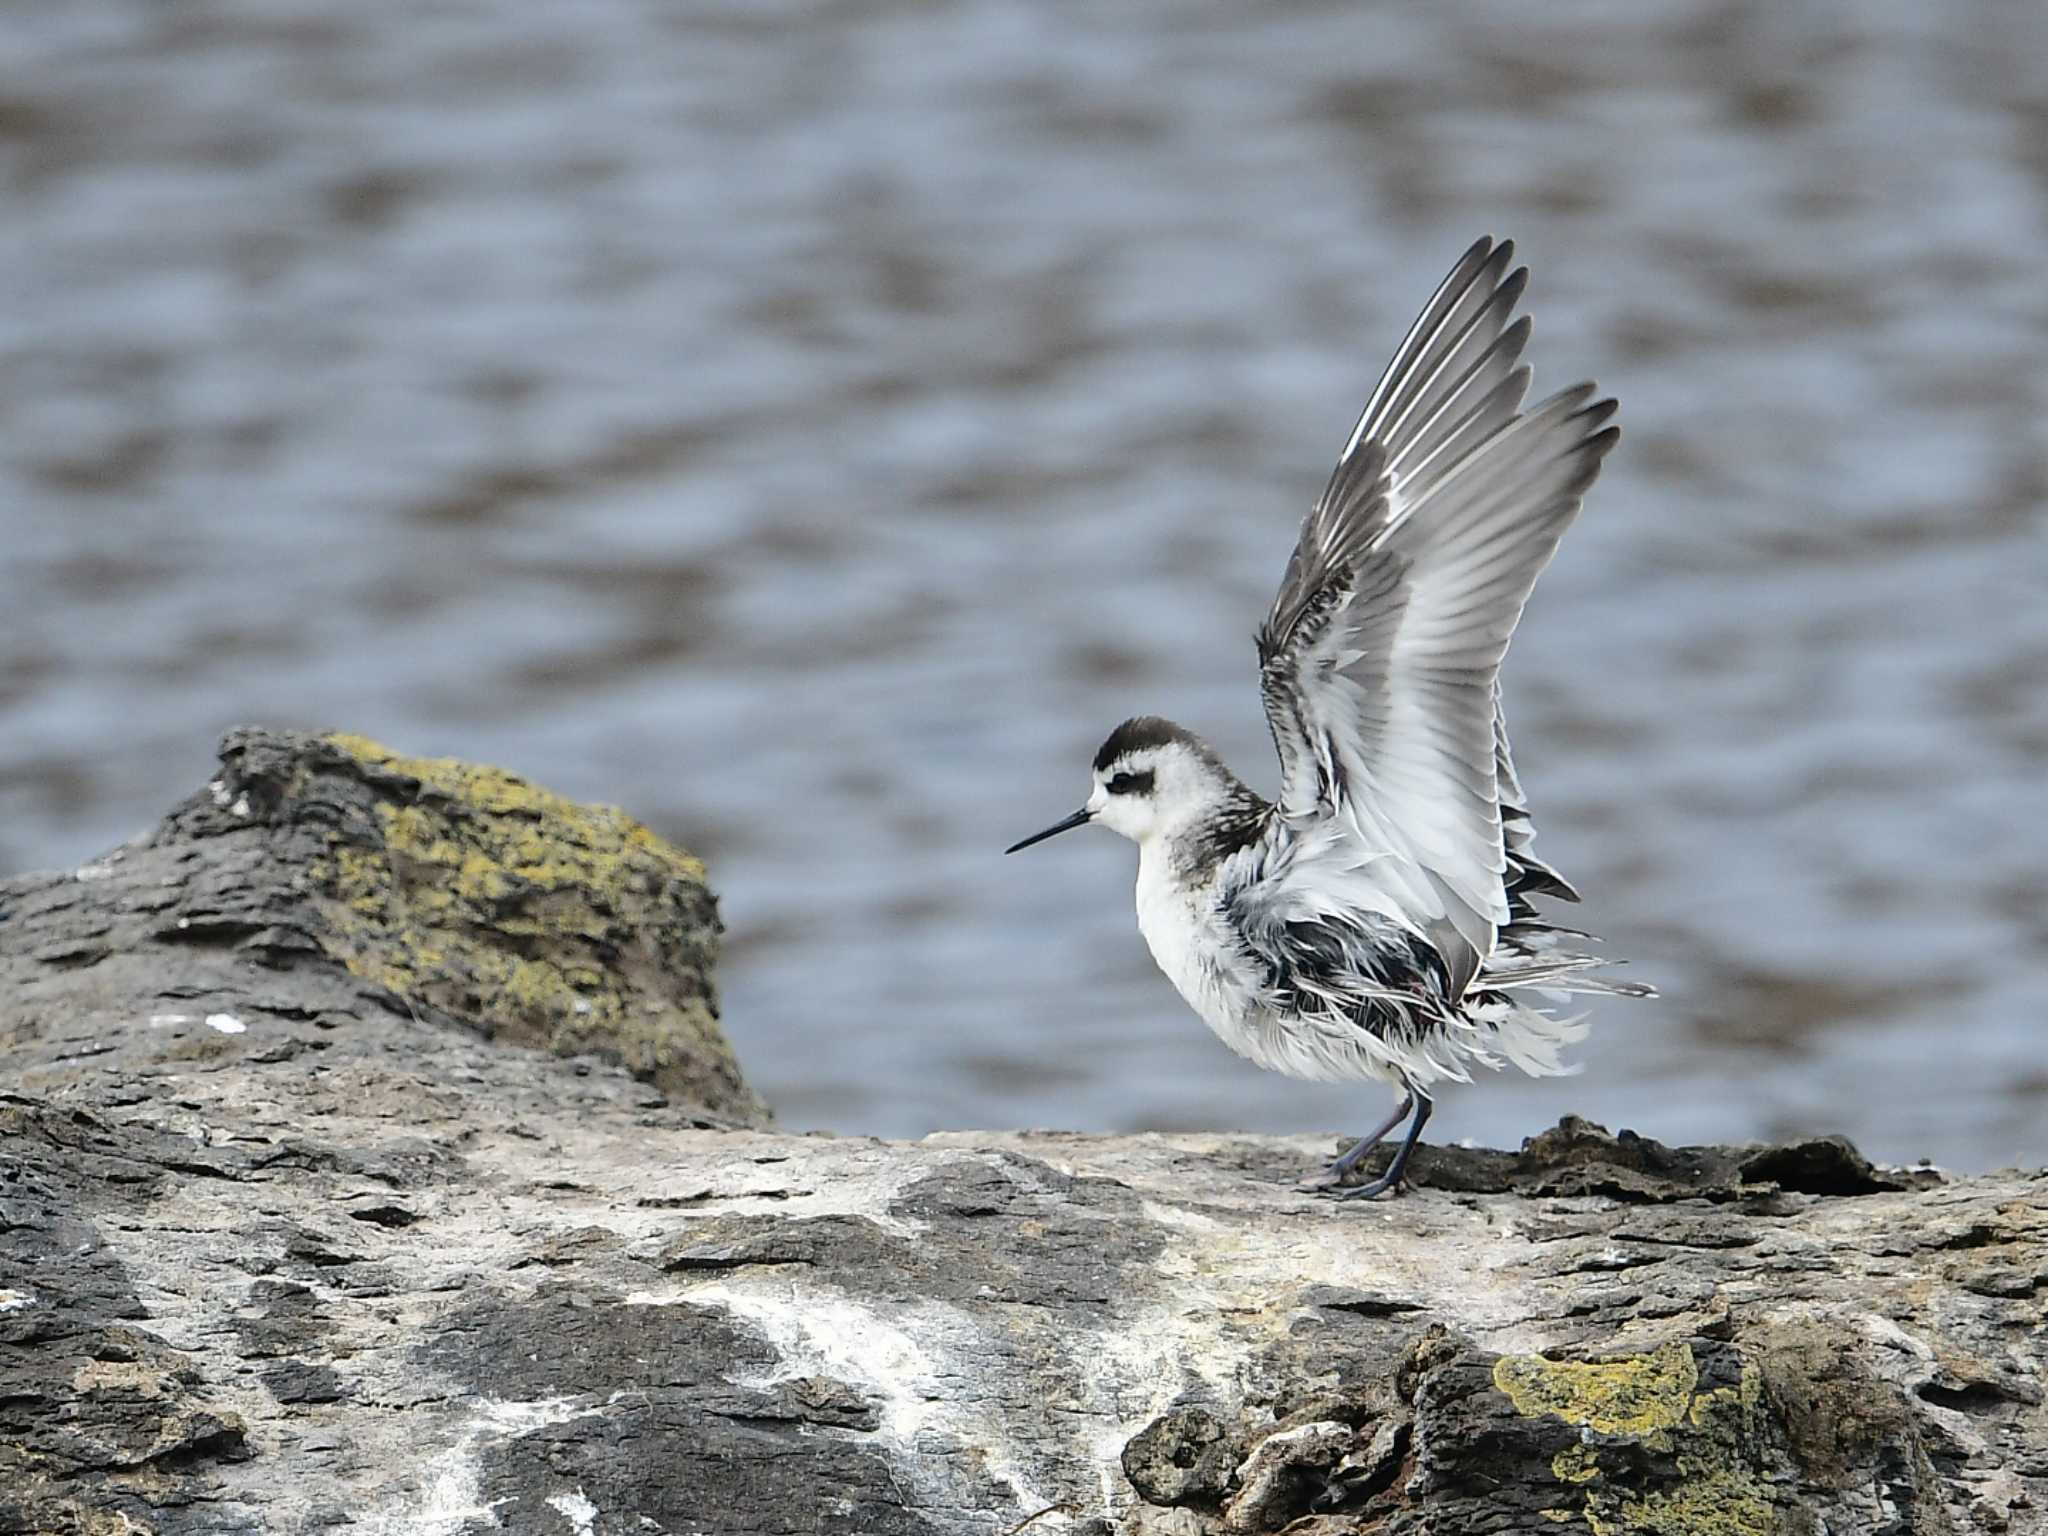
[
  {"x": 226, "y": 1023},
  {"x": 576, "y": 1509},
  {"x": 1142, "y": 1366},
  {"x": 911, "y": 1362},
  {"x": 1280, "y": 1460},
  {"x": 815, "y": 1331},
  {"x": 98, "y": 869},
  {"x": 1179, "y": 1217},
  {"x": 1887, "y": 1334},
  {"x": 240, "y": 807},
  {"x": 168, "y": 1020},
  {"x": 453, "y": 1500},
  {"x": 218, "y": 789}
]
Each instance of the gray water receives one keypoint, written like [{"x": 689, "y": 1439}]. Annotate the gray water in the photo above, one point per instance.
[{"x": 813, "y": 426}]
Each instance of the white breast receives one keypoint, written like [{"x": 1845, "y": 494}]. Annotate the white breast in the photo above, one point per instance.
[
  {"x": 1193, "y": 945},
  {"x": 1182, "y": 930}
]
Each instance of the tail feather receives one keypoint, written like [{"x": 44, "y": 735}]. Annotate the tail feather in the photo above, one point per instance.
[
  {"x": 1560, "y": 973},
  {"x": 1532, "y": 1039}
]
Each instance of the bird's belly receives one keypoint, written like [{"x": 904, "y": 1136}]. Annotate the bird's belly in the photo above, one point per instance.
[
  {"x": 1193, "y": 955},
  {"x": 1200, "y": 956}
]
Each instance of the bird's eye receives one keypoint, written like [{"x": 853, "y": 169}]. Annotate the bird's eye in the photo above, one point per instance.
[{"x": 1131, "y": 783}]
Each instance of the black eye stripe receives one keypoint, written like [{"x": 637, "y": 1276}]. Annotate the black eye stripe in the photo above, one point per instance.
[{"x": 1131, "y": 783}]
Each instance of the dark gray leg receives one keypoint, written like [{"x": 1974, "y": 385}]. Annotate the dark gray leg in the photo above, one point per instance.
[
  {"x": 1399, "y": 1165},
  {"x": 1332, "y": 1176}
]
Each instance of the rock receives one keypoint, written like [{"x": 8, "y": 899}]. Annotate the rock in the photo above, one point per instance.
[
  {"x": 1284, "y": 1472},
  {"x": 1185, "y": 1456},
  {"x": 1576, "y": 1157},
  {"x": 747, "y": 1332},
  {"x": 364, "y": 1263},
  {"x": 321, "y": 878}
]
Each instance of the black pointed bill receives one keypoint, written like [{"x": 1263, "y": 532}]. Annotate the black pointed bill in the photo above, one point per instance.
[{"x": 1080, "y": 818}]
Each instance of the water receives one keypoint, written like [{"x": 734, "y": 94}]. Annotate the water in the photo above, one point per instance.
[{"x": 814, "y": 426}]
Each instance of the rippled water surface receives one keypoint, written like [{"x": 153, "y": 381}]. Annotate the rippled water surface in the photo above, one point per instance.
[{"x": 814, "y": 426}]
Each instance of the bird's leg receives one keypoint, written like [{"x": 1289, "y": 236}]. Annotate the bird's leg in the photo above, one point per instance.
[
  {"x": 1332, "y": 1176},
  {"x": 1399, "y": 1165}
]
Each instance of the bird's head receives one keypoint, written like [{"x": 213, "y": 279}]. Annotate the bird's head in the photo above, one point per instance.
[{"x": 1150, "y": 777}]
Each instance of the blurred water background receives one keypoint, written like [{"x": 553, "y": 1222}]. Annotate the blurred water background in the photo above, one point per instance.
[{"x": 813, "y": 426}]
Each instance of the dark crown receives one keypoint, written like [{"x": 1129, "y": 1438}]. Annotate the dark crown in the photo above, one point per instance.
[{"x": 1143, "y": 731}]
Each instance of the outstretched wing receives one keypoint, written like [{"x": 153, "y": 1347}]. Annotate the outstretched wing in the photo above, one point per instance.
[
  {"x": 1380, "y": 659},
  {"x": 1527, "y": 875}
]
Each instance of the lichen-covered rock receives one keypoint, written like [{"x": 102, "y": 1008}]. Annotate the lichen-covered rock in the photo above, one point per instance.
[
  {"x": 241, "y": 1297},
  {"x": 466, "y": 890},
  {"x": 323, "y": 876}
]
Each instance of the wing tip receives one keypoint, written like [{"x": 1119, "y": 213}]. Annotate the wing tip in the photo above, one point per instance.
[
  {"x": 1483, "y": 266},
  {"x": 1601, "y": 411},
  {"x": 1578, "y": 404},
  {"x": 1479, "y": 250}
]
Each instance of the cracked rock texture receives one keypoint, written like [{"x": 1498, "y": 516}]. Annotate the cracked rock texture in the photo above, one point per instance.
[{"x": 417, "y": 1247}]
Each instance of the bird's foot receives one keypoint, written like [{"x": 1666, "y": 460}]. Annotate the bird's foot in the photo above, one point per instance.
[
  {"x": 1330, "y": 1182},
  {"x": 1332, "y": 1178},
  {"x": 1388, "y": 1183},
  {"x": 1326, "y": 1181}
]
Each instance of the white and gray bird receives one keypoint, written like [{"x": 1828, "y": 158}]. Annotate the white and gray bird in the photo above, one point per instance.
[{"x": 1376, "y": 922}]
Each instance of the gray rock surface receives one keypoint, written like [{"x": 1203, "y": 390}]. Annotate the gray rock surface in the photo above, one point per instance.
[{"x": 358, "y": 1264}]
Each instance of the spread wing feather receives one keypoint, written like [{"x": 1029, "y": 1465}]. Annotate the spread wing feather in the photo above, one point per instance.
[{"x": 1380, "y": 659}]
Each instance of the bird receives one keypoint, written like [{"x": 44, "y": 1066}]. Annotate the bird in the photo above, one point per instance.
[{"x": 1377, "y": 920}]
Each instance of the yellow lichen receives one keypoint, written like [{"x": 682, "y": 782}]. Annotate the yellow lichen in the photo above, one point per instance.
[
  {"x": 483, "y": 896},
  {"x": 1720, "y": 1501},
  {"x": 603, "y": 838},
  {"x": 1635, "y": 1395},
  {"x": 1654, "y": 1400},
  {"x": 1728, "y": 1410},
  {"x": 1575, "y": 1464}
]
